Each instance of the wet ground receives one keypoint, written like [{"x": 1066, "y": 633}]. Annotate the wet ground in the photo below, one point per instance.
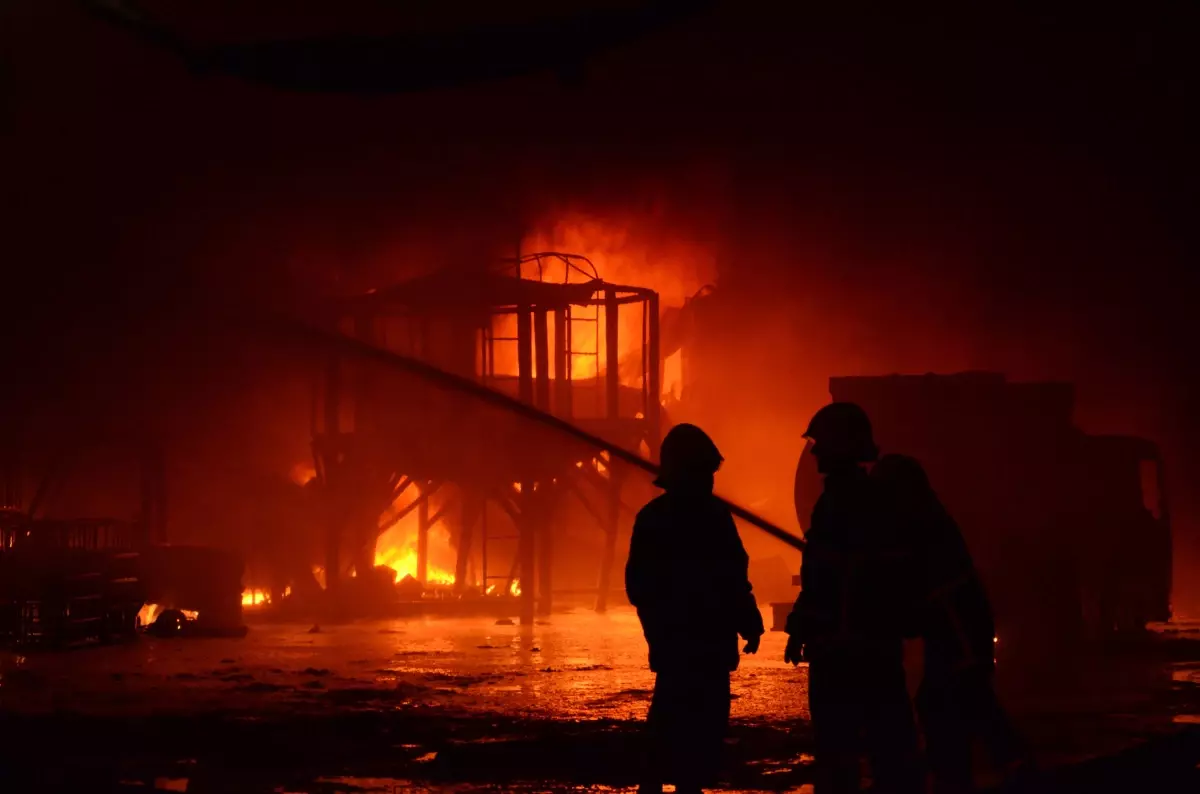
[{"x": 470, "y": 705}]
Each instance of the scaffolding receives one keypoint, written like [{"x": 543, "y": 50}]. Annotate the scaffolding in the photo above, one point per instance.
[{"x": 556, "y": 345}]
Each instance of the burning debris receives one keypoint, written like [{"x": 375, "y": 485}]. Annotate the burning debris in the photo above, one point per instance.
[{"x": 172, "y": 623}]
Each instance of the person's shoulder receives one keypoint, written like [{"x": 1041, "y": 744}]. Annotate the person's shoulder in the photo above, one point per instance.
[
  {"x": 656, "y": 507},
  {"x": 717, "y": 507}
]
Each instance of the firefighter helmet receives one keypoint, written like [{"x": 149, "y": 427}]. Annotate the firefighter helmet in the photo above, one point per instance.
[
  {"x": 687, "y": 453},
  {"x": 842, "y": 431}
]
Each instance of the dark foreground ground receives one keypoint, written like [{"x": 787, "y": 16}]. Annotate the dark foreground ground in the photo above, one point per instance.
[{"x": 467, "y": 705}]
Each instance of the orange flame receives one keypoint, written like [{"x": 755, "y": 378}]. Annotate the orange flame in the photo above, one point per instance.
[
  {"x": 149, "y": 612},
  {"x": 254, "y": 598},
  {"x": 401, "y": 557},
  {"x": 397, "y": 547},
  {"x": 514, "y": 589}
]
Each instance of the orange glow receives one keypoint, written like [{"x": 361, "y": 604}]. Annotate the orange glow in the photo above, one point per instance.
[
  {"x": 624, "y": 251},
  {"x": 633, "y": 251},
  {"x": 254, "y": 598},
  {"x": 397, "y": 547},
  {"x": 303, "y": 473},
  {"x": 514, "y": 589},
  {"x": 672, "y": 381},
  {"x": 148, "y": 613},
  {"x": 587, "y": 349},
  {"x": 403, "y": 560}
]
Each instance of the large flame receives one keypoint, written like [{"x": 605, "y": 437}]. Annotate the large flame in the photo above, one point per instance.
[
  {"x": 626, "y": 251},
  {"x": 397, "y": 547},
  {"x": 400, "y": 554}
]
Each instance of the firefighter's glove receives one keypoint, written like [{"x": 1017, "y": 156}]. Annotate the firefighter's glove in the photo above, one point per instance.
[
  {"x": 752, "y": 644},
  {"x": 795, "y": 621},
  {"x": 794, "y": 653}
]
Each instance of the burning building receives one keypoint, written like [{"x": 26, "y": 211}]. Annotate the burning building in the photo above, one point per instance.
[{"x": 543, "y": 328}]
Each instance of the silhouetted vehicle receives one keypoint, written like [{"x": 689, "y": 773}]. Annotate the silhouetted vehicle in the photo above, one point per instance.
[
  {"x": 687, "y": 577},
  {"x": 1070, "y": 532}
]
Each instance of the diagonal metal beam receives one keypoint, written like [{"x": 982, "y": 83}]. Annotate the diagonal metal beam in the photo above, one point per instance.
[
  {"x": 297, "y": 331},
  {"x": 408, "y": 508},
  {"x": 400, "y": 487}
]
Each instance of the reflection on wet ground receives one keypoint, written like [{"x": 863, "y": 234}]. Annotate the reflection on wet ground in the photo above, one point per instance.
[
  {"x": 580, "y": 666},
  {"x": 465, "y": 704}
]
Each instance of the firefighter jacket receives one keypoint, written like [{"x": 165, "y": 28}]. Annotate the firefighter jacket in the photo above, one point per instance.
[
  {"x": 852, "y": 575},
  {"x": 687, "y": 577}
]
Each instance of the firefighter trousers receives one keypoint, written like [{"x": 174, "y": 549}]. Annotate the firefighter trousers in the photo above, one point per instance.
[
  {"x": 686, "y": 728},
  {"x": 861, "y": 706}
]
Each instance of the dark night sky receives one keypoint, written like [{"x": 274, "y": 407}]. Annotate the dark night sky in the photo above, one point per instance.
[{"x": 1018, "y": 190}]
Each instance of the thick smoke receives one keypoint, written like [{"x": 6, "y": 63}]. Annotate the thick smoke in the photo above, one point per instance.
[{"x": 1007, "y": 197}]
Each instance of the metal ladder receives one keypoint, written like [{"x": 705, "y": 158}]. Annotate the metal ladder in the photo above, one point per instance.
[
  {"x": 572, "y": 353},
  {"x": 489, "y": 539}
]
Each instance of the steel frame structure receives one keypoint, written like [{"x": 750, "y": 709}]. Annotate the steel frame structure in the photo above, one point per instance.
[{"x": 365, "y": 458}]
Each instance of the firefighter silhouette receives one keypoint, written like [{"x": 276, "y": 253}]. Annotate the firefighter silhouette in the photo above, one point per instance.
[
  {"x": 951, "y": 613},
  {"x": 848, "y": 620},
  {"x": 687, "y": 577}
]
